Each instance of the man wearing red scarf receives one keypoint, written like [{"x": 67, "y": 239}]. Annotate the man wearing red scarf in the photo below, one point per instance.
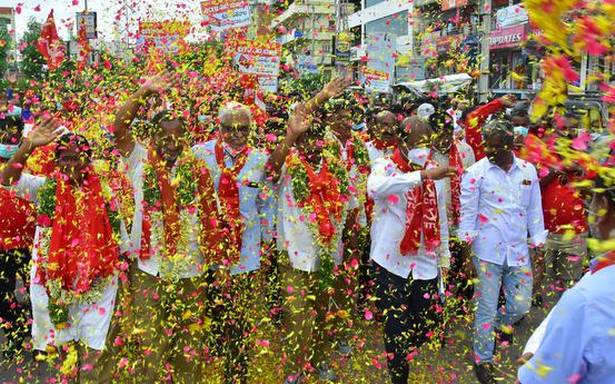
[
  {"x": 448, "y": 152},
  {"x": 166, "y": 236},
  {"x": 74, "y": 247},
  {"x": 311, "y": 219},
  {"x": 409, "y": 242},
  {"x": 237, "y": 175}
]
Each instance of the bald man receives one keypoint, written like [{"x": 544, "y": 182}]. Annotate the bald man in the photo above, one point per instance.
[
  {"x": 409, "y": 241},
  {"x": 384, "y": 135}
]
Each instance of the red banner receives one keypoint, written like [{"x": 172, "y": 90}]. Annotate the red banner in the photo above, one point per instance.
[{"x": 508, "y": 37}]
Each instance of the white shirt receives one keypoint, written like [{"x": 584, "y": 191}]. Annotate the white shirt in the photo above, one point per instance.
[
  {"x": 374, "y": 153},
  {"x": 251, "y": 179},
  {"x": 466, "y": 153},
  {"x": 192, "y": 261},
  {"x": 388, "y": 186},
  {"x": 498, "y": 208},
  {"x": 578, "y": 341},
  {"x": 294, "y": 234}
]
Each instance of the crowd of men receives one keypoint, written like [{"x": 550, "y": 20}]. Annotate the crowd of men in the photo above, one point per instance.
[{"x": 168, "y": 240}]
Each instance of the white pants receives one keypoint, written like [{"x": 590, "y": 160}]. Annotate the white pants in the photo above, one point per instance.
[{"x": 88, "y": 323}]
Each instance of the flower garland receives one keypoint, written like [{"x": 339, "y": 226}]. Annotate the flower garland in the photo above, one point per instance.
[
  {"x": 301, "y": 190},
  {"x": 184, "y": 179},
  {"x": 361, "y": 155},
  {"x": 186, "y": 182},
  {"x": 61, "y": 299}
]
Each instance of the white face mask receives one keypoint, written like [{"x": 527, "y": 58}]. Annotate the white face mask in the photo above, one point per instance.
[{"x": 419, "y": 156}]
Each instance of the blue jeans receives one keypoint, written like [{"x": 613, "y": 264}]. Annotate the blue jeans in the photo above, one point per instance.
[{"x": 517, "y": 282}]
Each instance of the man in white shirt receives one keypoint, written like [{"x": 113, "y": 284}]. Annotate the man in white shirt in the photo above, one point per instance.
[
  {"x": 314, "y": 202},
  {"x": 165, "y": 239},
  {"x": 449, "y": 152},
  {"x": 575, "y": 342},
  {"x": 409, "y": 241},
  {"x": 76, "y": 253},
  {"x": 500, "y": 204}
]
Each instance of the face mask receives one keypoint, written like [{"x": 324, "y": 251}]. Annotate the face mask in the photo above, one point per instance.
[
  {"x": 521, "y": 130},
  {"x": 418, "y": 156},
  {"x": 14, "y": 111},
  {"x": 358, "y": 127},
  {"x": 7, "y": 150},
  {"x": 202, "y": 118}
]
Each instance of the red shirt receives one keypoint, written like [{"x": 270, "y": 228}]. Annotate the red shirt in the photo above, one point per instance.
[
  {"x": 17, "y": 222},
  {"x": 563, "y": 208}
]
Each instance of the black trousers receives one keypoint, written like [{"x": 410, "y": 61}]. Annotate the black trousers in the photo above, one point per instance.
[
  {"x": 408, "y": 316},
  {"x": 15, "y": 316}
]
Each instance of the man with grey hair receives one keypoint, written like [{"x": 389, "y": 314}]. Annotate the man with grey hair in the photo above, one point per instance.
[{"x": 500, "y": 205}]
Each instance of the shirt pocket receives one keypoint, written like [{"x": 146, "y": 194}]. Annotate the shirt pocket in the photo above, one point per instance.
[{"x": 525, "y": 194}]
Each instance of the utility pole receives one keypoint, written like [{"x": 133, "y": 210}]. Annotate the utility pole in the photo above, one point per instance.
[{"x": 483, "y": 82}]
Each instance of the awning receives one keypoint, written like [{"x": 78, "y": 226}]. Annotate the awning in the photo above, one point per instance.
[{"x": 441, "y": 85}]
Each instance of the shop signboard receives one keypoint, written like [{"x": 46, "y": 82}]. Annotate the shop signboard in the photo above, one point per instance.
[
  {"x": 380, "y": 69},
  {"x": 257, "y": 58},
  {"x": 343, "y": 44},
  {"x": 508, "y": 37},
  {"x": 224, "y": 14},
  {"x": 89, "y": 18},
  {"x": 162, "y": 34},
  {"x": 515, "y": 14}
]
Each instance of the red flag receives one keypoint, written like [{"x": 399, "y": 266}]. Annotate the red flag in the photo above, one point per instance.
[
  {"x": 49, "y": 43},
  {"x": 84, "y": 46}
]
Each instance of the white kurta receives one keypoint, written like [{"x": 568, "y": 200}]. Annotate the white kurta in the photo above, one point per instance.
[{"x": 89, "y": 323}]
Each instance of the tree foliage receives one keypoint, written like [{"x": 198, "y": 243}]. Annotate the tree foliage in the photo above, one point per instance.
[
  {"x": 5, "y": 47},
  {"x": 32, "y": 61}
]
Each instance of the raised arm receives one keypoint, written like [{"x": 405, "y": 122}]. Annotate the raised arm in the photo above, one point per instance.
[
  {"x": 381, "y": 185},
  {"x": 128, "y": 111},
  {"x": 298, "y": 122},
  {"x": 332, "y": 89},
  {"x": 41, "y": 135}
]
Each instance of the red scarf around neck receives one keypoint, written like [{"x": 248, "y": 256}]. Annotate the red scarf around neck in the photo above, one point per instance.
[
  {"x": 170, "y": 210},
  {"x": 82, "y": 248},
  {"x": 228, "y": 194},
  {"x": 324, "y": 198},
  {"x": 602, "y": 262},
  {"x": 454, "y": 161},
  {"x": 421, "y": 212}
]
